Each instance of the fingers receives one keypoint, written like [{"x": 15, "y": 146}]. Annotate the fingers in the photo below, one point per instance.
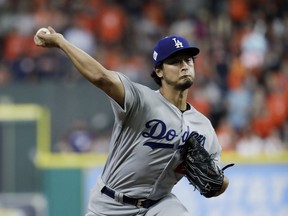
[
  {"x": 51, "y": 30},
  {"x": 43, "y": 38},
  {"x": 43, "y": 35},
  {"x": 38, "y": 41},
  {"x": 50, "y": 38}
]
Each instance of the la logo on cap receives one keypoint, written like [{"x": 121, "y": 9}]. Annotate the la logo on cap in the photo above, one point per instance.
[
  {"x": 170, "y": 45},
  {"x": 178, "y": 44}
]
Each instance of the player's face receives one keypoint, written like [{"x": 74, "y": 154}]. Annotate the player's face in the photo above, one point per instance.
[{"x": 178, "y": 71}]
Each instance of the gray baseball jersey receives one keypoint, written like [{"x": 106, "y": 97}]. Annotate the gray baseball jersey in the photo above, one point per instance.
[{"x": 147, "y": 137}]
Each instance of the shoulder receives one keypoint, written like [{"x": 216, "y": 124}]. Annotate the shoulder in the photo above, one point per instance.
[
  {"x": 129, "y": 84},
  {"x": 199, "y": 119},
  {"x": 198, "y": 115},
  {"x": 137, "y": 96}
]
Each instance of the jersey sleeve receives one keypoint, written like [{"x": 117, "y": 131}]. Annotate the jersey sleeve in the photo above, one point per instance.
[
  {"x": 205, "y": 127},
  {"x": 216, "y": 148},
  {"x": 213, "y": 146},
  {"x": 131, "y": 101}
]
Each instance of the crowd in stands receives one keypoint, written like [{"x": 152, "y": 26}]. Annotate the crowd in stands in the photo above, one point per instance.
[{"x": 241, "y": 72}]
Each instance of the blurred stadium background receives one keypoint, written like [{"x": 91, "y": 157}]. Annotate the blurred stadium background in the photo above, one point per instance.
[{"x": 55, "y": 126}]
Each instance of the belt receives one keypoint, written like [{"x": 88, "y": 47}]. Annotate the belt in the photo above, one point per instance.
[{"x": 139, "y": 203}]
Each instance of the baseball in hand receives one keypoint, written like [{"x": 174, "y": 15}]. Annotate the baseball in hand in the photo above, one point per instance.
[{"x": 37, "y": 40}]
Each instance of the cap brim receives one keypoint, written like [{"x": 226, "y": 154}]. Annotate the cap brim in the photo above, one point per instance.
[{"x": 193, "y": 51}]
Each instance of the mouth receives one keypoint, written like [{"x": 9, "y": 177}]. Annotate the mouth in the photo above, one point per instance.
[
  {"x": 185, "y": 82},
  {"x": 186, "y": 76}
]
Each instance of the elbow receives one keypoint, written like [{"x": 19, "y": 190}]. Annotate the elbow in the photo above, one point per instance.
[{"x": 98, "y": 78}]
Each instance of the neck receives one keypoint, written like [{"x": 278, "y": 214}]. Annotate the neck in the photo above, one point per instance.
[{"x": 176, "y": 97}]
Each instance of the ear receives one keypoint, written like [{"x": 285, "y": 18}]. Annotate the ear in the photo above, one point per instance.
[{"x": 159, "y": 72}]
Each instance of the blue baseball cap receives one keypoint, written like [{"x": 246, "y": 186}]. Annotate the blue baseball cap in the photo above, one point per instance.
[{"x": 170, "y": 45}]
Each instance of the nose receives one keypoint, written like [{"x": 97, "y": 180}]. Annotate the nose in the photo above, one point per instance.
[{"x": 184, "y": 63}]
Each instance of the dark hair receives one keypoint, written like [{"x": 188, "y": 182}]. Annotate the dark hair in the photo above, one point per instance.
[{"x": 154, "y": 74}]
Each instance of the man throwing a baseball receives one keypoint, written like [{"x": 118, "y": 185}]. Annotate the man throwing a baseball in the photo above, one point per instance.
[{"x": 146, "y": 158}]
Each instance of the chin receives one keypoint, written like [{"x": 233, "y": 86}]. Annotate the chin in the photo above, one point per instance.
[{"x": 185, "y": 85}]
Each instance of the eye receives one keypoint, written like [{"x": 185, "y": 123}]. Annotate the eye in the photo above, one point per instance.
[
  {"x": 179, "y": 59},
  {"x": 176, "y": 61},
  {"x": 173, "y": 61}
]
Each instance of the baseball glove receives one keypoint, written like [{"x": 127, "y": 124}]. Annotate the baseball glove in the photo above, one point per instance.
[{"x": 201, "y": 170}]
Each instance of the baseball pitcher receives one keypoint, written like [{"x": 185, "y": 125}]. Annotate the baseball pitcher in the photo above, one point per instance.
[{"x": 158, "y": 137}]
